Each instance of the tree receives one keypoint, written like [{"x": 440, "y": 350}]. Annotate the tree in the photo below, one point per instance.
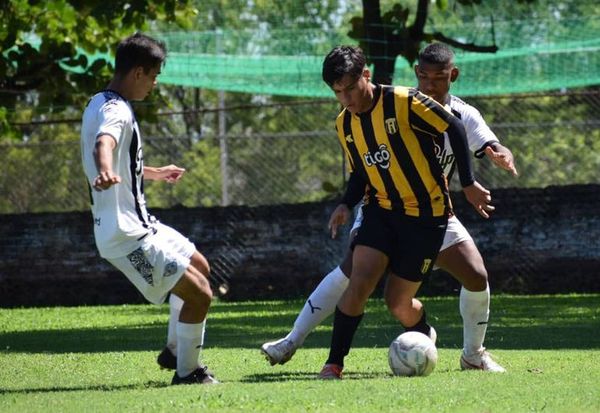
[
  {"x": 42, "y": 63},
  {"x": 385, "y": 36}
]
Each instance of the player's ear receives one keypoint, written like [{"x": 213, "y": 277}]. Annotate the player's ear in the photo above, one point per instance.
[
  {"x": 454, "y": 74},
  {"x": 417, "y": 71},
  {"x": 367, "y": 73},
  {"x": 138, "y": 72}
]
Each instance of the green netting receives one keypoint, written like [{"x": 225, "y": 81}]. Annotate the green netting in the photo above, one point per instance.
[{"x": 538, "y": 55}]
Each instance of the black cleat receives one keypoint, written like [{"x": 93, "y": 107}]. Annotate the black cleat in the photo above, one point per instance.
[
  {"x": 199, "y": 376},
  {"x": 166, "y": 359}
]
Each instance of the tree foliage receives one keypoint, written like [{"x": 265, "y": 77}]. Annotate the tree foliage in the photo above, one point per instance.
[{"x": 42, "y": 63}]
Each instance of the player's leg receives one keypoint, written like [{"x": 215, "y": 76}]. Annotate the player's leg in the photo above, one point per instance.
[
  {"x": 464, "y": 262},
  {"x": 368, "y": 265},
  {"x": 194, "y": 289},
  {"x": 322, "y": 301},
  {"x": 167, "y": 359},
  {"x": 418, "y": 245},
  {"x": 319, "y": 305},
  {"x": 176, "y": 243},
  {"x": 399, "y": 296}
]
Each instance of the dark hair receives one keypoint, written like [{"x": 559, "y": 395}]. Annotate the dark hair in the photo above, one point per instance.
[
  {"x": 341, "y": 61},
  {"x": 139, "y": 50},
  {"x": 436, "y": 53}
]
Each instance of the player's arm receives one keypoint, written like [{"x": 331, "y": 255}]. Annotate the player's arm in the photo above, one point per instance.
[
  {"x": 479, "y": 135},
  {"x": 476, "y": 194},
  {"x": 103, "y": 156},
  {"x": 170, "y": 173},
  {"x": 355, "y": 191}
]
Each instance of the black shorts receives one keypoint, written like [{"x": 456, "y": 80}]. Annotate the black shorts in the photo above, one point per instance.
[{"x": 411, "y": 243}]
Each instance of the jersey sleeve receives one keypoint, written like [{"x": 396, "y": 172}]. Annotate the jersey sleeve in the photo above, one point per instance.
[
  {"x": 479, "y": 134},
  {"x": 111, "y": 120}
]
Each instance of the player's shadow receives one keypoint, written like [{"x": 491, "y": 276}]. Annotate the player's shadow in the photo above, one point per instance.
[
  {"x": 306, "y": 376},
  {"x": 580, "y": 334},
  {"x": 99, "y": 387}
]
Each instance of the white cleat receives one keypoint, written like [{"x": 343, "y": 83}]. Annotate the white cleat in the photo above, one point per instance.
[
  {"x": 279, "y": 351},
  {"x": 480, "y": 361}
]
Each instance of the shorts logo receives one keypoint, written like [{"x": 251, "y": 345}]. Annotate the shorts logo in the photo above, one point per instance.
[
  {"x": 349, "y": 138},
  {"x": 426, "y": 265},
  {"x": 140, "y": 262},
  {"x": 391, "y": 126},
  {"x": 381, "y": 157},
  {"x": 170, "y": 269}
]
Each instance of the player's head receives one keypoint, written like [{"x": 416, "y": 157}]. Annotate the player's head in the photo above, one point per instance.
[
  {"x": 139, "y": 50},
  {"x": 346, "y": 73},
  {"x": 140, "y": 57},
  {"x": 436, "y": 71}
]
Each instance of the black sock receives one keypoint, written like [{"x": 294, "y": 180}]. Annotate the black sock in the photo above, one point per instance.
[
  {"x": 344, "y": 327},
  {"x": 421, "y": 326}
]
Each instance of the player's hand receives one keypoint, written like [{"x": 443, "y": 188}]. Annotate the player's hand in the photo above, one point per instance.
[
  {"x": 171, "y": 173},
  {"x": 480, "y": 198},
  {"x": 504, "y": 159},
  {"x": 105, "y": 180},
  {"x": 339, "y": 216}
]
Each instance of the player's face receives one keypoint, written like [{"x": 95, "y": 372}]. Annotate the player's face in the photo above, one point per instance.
[
  {"x": 355, "y": 94},
  {"x": 435, "y": 79},
  {"x": 145, "y": 81}
]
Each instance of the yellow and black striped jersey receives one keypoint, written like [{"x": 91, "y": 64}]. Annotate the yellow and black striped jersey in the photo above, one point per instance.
[{"x": 391, "y": 146}]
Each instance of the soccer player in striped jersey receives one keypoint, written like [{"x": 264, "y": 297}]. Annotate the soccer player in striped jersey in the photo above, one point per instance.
[
  {"x": 157, "y": 259},
  {"x": 387, "y": 134},
  {"x": 458, "y": 255}
]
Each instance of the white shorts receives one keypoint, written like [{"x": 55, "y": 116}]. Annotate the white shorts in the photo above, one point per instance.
[
  {"x": 455, "y": 232},
  {"x": 158, "y": 263}
]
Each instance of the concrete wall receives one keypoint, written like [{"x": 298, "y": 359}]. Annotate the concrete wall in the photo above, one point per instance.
[{"x": 538, "y": 241}]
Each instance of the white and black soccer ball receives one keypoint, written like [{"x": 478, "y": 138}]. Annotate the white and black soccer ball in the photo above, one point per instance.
[{"x": 412, "y": 354}]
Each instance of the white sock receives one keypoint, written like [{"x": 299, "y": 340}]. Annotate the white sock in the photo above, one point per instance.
[
  {"x": 175, "y": 304},
  {"x": 475, "y": 310},
  {"x": 189, "y": 343},
  {"x": 320, "y": 304}
]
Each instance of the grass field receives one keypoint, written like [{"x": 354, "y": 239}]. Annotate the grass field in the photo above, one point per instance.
[{"x": 103, "y": 359}]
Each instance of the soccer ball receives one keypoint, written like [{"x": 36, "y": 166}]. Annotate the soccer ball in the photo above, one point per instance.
[{"x": 412, "y": 354}]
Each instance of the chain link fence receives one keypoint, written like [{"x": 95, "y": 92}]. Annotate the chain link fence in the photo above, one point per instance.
[
  {"x": 268, "y": 154},
  {"x": 279, "y": 154}
]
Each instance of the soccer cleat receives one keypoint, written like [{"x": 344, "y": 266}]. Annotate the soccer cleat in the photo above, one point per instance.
[
  {"x": 279, "y": 351},
  {"x": 166, "y": 359},
  {"x": 331, "y": 372},
  {"x": 480, "y": 361},
  {"x": 199, "y": 376},
  {"x": 432, "y": 334}
]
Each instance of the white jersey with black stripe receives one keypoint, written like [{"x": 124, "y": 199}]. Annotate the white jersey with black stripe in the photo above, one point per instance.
[
  {"x": 479, "y": 135},
  {"x": 120, "y": 215}
]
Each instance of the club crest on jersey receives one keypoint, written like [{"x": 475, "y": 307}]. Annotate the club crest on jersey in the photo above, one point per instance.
[
  {"x": 381, "y": 157},
  {"x": 391, "y": 125}
]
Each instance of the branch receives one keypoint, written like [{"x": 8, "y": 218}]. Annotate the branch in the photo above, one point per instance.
[
  {"x": 471, "y": 47},
  {"x": 418, "y": 26}
]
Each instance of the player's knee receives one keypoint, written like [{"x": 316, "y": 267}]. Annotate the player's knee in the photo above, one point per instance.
[
  {"x": 402, "y": 311},
  {"x": 200, "y": 263},
  {"x": 476, "y": 279}
]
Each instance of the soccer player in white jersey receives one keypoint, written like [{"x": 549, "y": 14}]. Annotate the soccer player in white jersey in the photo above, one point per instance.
[
  {"x": 157, "y": 259},
  {"x": 458, "y": 255}
]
